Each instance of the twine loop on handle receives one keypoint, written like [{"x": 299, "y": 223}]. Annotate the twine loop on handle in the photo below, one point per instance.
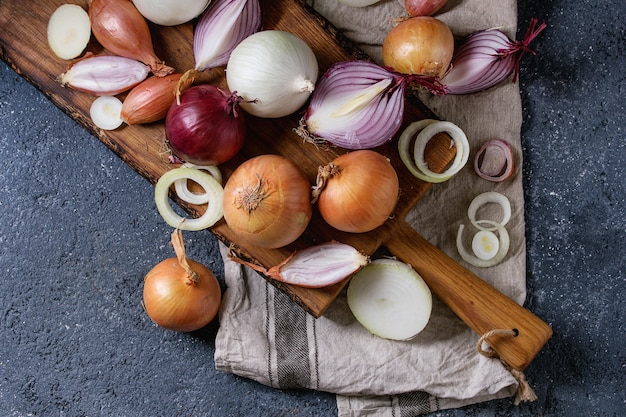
[{"x": 524, "y": 390}]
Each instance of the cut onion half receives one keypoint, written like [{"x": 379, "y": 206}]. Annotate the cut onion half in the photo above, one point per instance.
[
  {"x": 69, "y": 31},
  {"x": 390, "y": 299},
  {"x": 210, "y": 185},
  {"x": 105, "y": 112},
  {"x": 424, "y": 131}
]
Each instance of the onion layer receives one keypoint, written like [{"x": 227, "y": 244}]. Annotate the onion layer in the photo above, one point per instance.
[
  {"x": 211, "y": 187},
  {"x": 426, "y": 129},
  {"x": 390, "y": 299},
  {"x": 267, "y": 201},
  {"x": 494, "y": 161},
  {"x": 357, "y": 192}
]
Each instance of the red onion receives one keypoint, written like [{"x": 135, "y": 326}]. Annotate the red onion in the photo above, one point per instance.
[
  {"x": 486, "y": 58},
  {"x": 494, "y": 161},
  {"x": 357, "y": 105},
  {"x": 221, "y": 28},
  {"x": 206, "y": 127}
]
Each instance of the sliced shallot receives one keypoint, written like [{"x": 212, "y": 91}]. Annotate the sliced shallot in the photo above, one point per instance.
[
  {"x": 494, "y": 259},
  {"x": 314, "y": 267},
  {"x": 104, "y": 75},
  {"x": 494, "y": 161}
]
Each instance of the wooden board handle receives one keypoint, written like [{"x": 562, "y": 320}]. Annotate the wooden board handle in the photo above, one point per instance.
[{"x": 478, "y": 304}]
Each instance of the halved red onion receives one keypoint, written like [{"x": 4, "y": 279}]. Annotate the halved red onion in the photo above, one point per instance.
[
  {"x": 494, "y": 161},
  {"x": 221, "y": 28},
  {"x": 356, "y": 105},
  {"x": 486, "y": 58}
]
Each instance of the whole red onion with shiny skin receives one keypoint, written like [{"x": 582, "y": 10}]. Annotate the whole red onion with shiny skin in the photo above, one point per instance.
[{"x": 206, "y": 127}]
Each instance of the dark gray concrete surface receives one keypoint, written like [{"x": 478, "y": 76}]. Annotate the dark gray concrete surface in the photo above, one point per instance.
[{"x": 78, "y": 230}]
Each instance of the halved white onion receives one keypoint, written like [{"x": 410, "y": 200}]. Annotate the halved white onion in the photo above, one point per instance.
[
  {"x": 182, "y": 185},
  {"x": 212, "y": 188},
  {"x": 69, "y": 31},
  {"x": 390, "y": 299},
  {"x": 105, "y": 112},
  {"x": 425, "y": 130},
  {"x": 486, "y": 198},
  {"x": 474, "y": 260}
]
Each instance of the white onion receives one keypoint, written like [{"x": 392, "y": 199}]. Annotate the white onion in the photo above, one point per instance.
[
  {"x": 390, "y": 299},
  {"x": 274, "y": 71},
  {"x": 170, "y": 12}
]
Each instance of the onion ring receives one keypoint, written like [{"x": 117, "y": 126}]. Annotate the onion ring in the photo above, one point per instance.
[
  {"x": 214, "y": 211},
  {"x": 494, "y": 161},
  {"x": 486, "y": 198},
  {"x": 182, "y": 189},
  {"x": 503, "y": 238},
  {"x": 426, "y": 129}
]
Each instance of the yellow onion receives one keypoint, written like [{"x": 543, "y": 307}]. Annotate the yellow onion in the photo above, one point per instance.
[
  {"x": 357, "y": 192},
  {"x": 419, "y": 45},
  {"x": 150, "y": 100},
  {"x": 267, "y": 201},
  {"x": 181, "y": 294}
]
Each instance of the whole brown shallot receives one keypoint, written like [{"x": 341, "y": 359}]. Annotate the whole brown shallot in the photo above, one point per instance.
[
  {"x": 150, "y": 100},
  {"x": 122, "y": 30}
]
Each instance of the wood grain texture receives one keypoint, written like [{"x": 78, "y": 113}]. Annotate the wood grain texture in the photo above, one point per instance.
[{"x": 24, "y": 47}]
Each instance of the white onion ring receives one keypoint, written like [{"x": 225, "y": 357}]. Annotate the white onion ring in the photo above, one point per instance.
[
  {"x": 182, "y": 189},
  {"x": 426, "y": 129},
  {"x": 214, "y": 211},
  {"x": 503, "y": 238},
  {"x": 486, "y": 198}
]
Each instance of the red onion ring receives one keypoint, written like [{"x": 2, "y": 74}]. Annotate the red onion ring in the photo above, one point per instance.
[{"x": 494, "y": 161}]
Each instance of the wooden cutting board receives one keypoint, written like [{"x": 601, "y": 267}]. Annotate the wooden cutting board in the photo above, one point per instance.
[{"x": 24, "y": 47}]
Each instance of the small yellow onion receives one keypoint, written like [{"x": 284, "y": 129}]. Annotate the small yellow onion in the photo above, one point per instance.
[
  {"x": 420, "y": 45},
  {"x": 181, "y": 294},
  {"x": 267, "y": 201},
  {"x": 357, "y": 192}
]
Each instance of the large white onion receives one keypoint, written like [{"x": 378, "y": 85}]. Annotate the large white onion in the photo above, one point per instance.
[
  {"x": 170, "y": 12},
  {"x": 274, "y": 71}
]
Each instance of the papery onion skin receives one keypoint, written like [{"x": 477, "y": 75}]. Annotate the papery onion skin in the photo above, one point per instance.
[
  {"x": 267, "y": 201},
  {"x": 421, "y": 45},
  {"x": 150, "y": 100},
  {"x": 274, "y": 71},
  {"x": 360, "y": 193},
  {"x": 123, "y": 31},
  {"x": 170, "y": 12},
  {"x": 175, "y": 303},
  {"x": 207, "y": 127}
]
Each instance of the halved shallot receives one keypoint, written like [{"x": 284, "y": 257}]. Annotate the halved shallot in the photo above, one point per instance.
[{"x": 314, "y": 267}]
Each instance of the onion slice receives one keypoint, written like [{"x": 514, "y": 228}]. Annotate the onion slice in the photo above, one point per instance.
[
  {"x": 105, "y": 112},
  {"x": 213, "y": 188},
  {"x": 69, "y": 30},
  {"x": 425, "y": 130},
  {"x": 390, "y": 299},
  {"x": 182, "y": 185},
  {"x": 486, "y": 198},
  {"x": 504, "y": 242},
  {"x": 494, "y": 161},
  {"x": 314, "y": 267}
]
